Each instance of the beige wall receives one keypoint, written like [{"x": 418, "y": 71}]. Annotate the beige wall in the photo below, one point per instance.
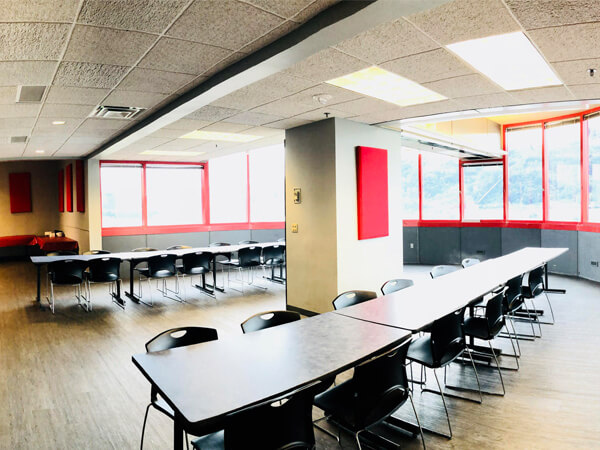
[
  {"x": 75, "y": 224},
  {"x": 480, "y": 132},
  {"x": 93, "y": 203},
  {"x": 44, "y": 193}
]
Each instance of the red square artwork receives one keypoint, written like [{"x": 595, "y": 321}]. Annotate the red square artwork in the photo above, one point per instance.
[
  {"x": 79, "y": 187},
  {"x": 372, "y": 184},
  {"x": 61, "y": 190},
  {"x": 69, "y": 177},
  {"x": 19, "y": 186}
]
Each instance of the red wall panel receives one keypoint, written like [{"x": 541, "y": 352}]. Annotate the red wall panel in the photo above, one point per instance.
[
  {"x": 79, "y": 186},
  {"x": 61, "y": 190},
  {"x": 372, "y": 184},
  {"x": 19, "y": 187},
  {"x": 69, "y": 176}
]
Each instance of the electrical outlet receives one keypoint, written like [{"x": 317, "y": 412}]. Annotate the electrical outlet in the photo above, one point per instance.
[
  {"x": 412, "y": 245},
  {"x": 595, "y": 263},
  {"x": 294, "y": 228}
]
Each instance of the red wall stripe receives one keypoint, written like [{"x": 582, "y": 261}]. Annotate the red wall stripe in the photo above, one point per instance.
[
  {"x": 372, "y": 186},
  {"x": 19, "y": 187},
  {"x": 79, "y": 186},
  {"x": 61, "y": 190},
  {"x": 69, "y": 185}
]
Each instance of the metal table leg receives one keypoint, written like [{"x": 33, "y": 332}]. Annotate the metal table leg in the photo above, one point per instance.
[
  {"x": 546, "y": 288},
  {"x": 39, "y": 275},
  {"x": 131, "y": 294}
]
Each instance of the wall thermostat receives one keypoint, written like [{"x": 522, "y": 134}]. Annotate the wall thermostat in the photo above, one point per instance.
[{"x": 296, "y": 195}]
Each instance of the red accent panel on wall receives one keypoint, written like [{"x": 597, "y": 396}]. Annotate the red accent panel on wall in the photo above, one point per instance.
[
  {"x": 79, "y": 186},
  {"x": 69, "y": 176},
  {"x": 372, "y": 184},
  {"x": 19, "y": 188},
  {"x": 61, "y": 190}
]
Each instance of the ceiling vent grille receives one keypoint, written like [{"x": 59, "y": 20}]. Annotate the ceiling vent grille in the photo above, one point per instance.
[
  {"x": 116, "y": 112},
  {"x": 18, "y": 139},
  {"x": 30, "y": 94}
]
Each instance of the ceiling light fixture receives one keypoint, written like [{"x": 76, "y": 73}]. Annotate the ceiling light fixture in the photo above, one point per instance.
[
  {"x": 323, "y": 99},
  {"x": 509, "y": 60},
  {"x": 40, "y": 151},
  {"x": 220, "y": 136},
  {"x": 171, "y": 153},
  {"x": 387, "y": 86},
  {"x": 58, "y": 122}
]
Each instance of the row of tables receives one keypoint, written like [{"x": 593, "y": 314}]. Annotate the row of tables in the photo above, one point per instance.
[
  {"x": 203, "y": 383},
  {"x": 135, "y": 258}
]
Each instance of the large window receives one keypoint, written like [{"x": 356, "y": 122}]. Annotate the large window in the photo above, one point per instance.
[
  {"x": 525, "y": 186},
  {"x": 267, "y": 184},
  {"x": 174, "y": 194},
  {"x": 562, "y": 148},
  {"x": 593, "y": 126},
  {"x": 440, "y": 187},
  {"x": 483, "y": 185},
  {"x": 228, "y": 181},
  {"x": 121, "y": 195},
  {"x": 410, "y": 184}
]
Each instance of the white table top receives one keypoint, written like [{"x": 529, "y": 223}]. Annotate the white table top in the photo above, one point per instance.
[{"x": 416, "y": 307}]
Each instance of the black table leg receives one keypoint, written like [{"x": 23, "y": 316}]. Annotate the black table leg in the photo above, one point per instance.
[
  {"x": 546, "y": 288},
  {"x": 177, "y": 436},
  {"x": 117, "y": 296},
  {"x": 130, "y": 294},
  {"x": 214, "y": 286},
  {"x": 39, "y": 276}
]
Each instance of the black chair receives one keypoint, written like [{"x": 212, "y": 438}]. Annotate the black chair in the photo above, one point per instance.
[
  {"x": 160, "y": 267},
  {"x": 274, "y": 256},
  {"x": 439, "y": 271},
  {"x": 468, "y": 262},
  {"x": 248, "y": 259},
  {"x": 178, "y": 247},
  {"x": 96, "y": 252},
  {"x": 197, "y": 263},
  {"x": 67, "y": 272},
  {"x": 279, "y": 424},
  {"x": 222, "y": 257},
  {"x": 173, "y": 338},
  {"x": 142, "y": 268},
  {"x": 514, "y": 308},
  {"x": 376, "y": 390},
  {"x": 534, "y": 288},
  {"x": 62, "y": 253},
  {"x": 268, "y": 319},
  {"x": 395, "y": 285},
  {"x": 103, "y": 270},
  {"x": 350, "y": 298},
  {"x": 445, "y": 343},
  {"x": 247, "y": 242}
]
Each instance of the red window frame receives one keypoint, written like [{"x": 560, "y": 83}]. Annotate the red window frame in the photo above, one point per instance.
[
  {"x": 582, "y": 225},
  {"x": 188, "y": 228}
]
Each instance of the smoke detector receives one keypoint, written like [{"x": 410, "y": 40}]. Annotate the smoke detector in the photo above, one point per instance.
[
  {"x": 18, "y": 139},
  {"x": 30, "y": 94},
  {"x": 323, "y": 99},
  {"x": 116, "y": 112}
]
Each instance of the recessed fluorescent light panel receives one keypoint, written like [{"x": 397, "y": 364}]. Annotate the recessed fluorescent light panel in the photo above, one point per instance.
[
  {"x": 171, "y": 153},
  {"x": 219, "y": 136},
  {"x": 386, "y": 86},
  {"x": 510, "y": 60}
]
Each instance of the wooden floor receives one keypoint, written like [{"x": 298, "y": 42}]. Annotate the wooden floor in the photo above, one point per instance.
[{"x": 67, "y": 381}]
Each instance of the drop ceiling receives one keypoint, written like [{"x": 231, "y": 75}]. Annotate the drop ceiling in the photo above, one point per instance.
[{"x": 147, "y": 52}]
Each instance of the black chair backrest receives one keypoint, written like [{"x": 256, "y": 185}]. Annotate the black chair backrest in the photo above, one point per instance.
[
  {"x": 273, "y": 254},
  {"x": 178, "y": 247},
  {"x": 249, "y": 256},
  {"x": 468, "y": 262},
  {"x": 268, "y": 319},
  {"x": 513, "y": 293},
  {"x": 104, "y": 269},
  {"x": 198, "y": 262},
  {"x": 536, "y": 281},
  {"x": 61, "y": 253},
  {"x": 395, "y": 285},
  {"x": 96, "y": 252},
  {"x": 181, "y": 337},
  {"x": 144, "y": 249},
  {"x": 352, "y": 298},
  {"x": 247, "y": 242},
  {"x": 219, "y": 244},
  {"x": 162, "y": 265},
  {"x": 438, "y": 271},
  {"x": 447, "y": 338},
  {"x": 67, "y": 271},
  {"x": 494, "y": 314}
]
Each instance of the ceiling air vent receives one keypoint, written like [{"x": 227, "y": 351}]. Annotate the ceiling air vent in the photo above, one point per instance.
[
  {"x": 30, "y": 94},
  {"x": 116, "y": 112},
  {"x": 18, "y": 139}
]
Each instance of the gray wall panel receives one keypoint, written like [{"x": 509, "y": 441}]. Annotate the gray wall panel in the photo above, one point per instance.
[
  {"x": 162, "y": 241},
  {"x": 439, "y": 245},
  {"x": 123, "y": 243},
  {"x": 588, "y": 253},
  {"x": 481, "y": 243},
  {"x": 230, "y": 236},
  {"x": 567, "y": 263},
  {"x": 267, "y": 235},
  {"x": 411, "y": 237},
  {"x": 514, "y": 239}
]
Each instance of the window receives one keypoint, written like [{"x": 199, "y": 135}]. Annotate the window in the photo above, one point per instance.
[
  {"x": 524, "y": 146},
  {"x": 483, "y": 188},
  {"x": 410, "y": 184},
  {"x": 593, "y": 126},
  {"x": 121, "y": 195},
  {"x": 564, "y": 172},
  {"x": 174, "y": 194},
  {"x": 440, "y": 187},
  {"x": 267, "y": 184},
  {"x": 228, "y": 187}
]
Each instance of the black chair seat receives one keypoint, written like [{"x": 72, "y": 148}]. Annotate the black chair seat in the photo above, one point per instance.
[
  {"x": 162, "y": 274},
  {"x": 214, "y": 441},
  {"x": 236, "y": 262},
  {"x": 103, "y": 277},
  {"x": 527, "y": 293},
  {"x": 421, "y": 351},
  {"x": 273, "y": 262},
  {"x": 194, "y": 270},
  {"x": 477, "y": 327},
  {"x": 66, "y": 279}
]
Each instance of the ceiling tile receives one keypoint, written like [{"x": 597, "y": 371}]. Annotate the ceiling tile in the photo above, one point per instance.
[
  {"x": 326, "y": 65},
  {"x": 233, "y": 58},
  {"x": 107, "y": 46},
  {"x": 464, "y": 86},
  {"x": 338, "y": 95},
  {"x": 175, "y": 55},
  {"x": 20, "y": 110},
  {"x": 27, "y": 73},
  {"x": 427, "y": 109},
  {"x": 576, "y": 72},
  {"x": 177, "y": 144},
  {"x": 550, "y": 13},
  {"x": 17, "y": 123},
  {"x": 287, "y": 9},
  {"x": 168, "y": 133},
  {"x": 89, "y": 75},
  {"x": 133, "y": 98},
  {"x": 486, "y": 101},
  {"x": 313, "y": 9},
  {"x": 211, "y": 113},
  {"x": 44, "y": 127},
  {"x": 11, "y": 150},
  {"x": 285, "y": 108},
  {"x": 76, "y": 96},
  {"x": 286, "y": 124},
  {"x": 39, "y": 10},
  {"x": 140, "y": 15},
  {"x": 154, "y": 81},
  {"x": 461, "y": 20},
  {"x": 103, "y": 124},
  {"x": 387, "y": 41},
  {"x": 89, "y": 141},
  {"x": 60, "y": 112},
  {"x": 264, "y": 91},
  {"x": 224, "y": 23},
  {"x": 74, "y": 149},
  {"x": 7, "y": 132},
  {"x": 379, "y": 116},
  {"x": 586, "y": 91},
  {"x": 32, "y": 41},
  {"x": 428, "y": 66},
  {"x": 224, "y": 127},
  {"x": 43, "y": 143},
  {"x": 147, "y": 143},
  {"x": 8, "y": 94},
  {"x": 319, "y": 114},
  {"x": 276, "y": 33},
  {"x": 252, "y": 118},
  {"x": 95, "y": 135},
  {"x": 541, "y": 95},
  {"x": 187, "y": 125},
  {"x": 364, "y": 105},
  {"x": 568, "y": 42}
]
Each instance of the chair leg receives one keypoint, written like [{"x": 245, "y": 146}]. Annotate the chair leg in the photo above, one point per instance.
[
  {"x": 52, "y": 297},
  {"x": 512, "y": 324},
  {"x": 513, "y": 345},
  {"x": 476, "y": 374},
  {"x": 536, "y": 317},
  {"x": 144, "y": 426},
  {"x": 551, "y": 310},
  {"x": 418, "y": 421},
  {"x": 444, "y": 402},
  {"x": 320, "y": 428},
  {"x": 357, "y": 438},
  {"x": 498, "y": 367}
]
